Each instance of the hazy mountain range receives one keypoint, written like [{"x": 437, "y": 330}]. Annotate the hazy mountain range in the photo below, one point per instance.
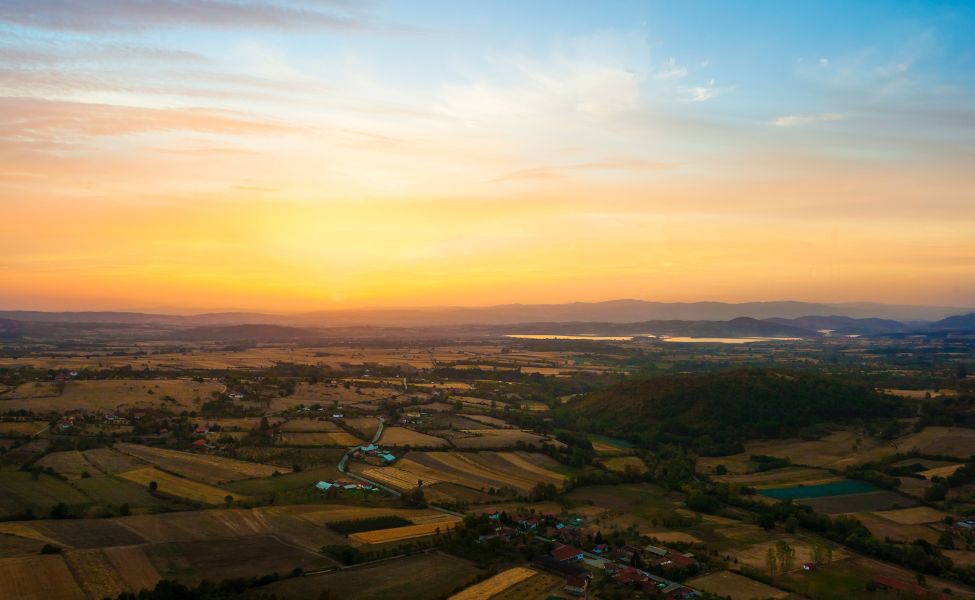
[
  {"x": 622, "y": 318},
  {"x": 614, "y": 311}
]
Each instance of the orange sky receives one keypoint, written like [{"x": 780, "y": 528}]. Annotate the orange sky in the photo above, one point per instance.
[{"x": 206, "y": 167}]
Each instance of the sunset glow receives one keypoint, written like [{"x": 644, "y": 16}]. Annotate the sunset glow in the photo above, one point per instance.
[{"x": 299, "y": 155}]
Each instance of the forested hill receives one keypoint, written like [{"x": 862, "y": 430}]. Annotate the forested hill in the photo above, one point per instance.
[{"x": 717, "y": 411}]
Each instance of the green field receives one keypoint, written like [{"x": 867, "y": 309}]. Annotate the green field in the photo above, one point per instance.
[
  {"x": 21, "y": 491},
  {"x": 420, "y": 577},
  {"x": 822, "y": 490},
  {"x": 109, "y": 490},
  {"x": 291, "y": 488}
]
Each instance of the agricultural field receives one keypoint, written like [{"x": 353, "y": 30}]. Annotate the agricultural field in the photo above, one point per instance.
[
  {"x": 111, "y": 395},
  {"x": 180, "y": 487},
  {"x": 492, "y": 586},
  {"x": 871, "y": 501},
  {"x": 407, "y": 532},
  {"x": 943, "y": 441},
  {"x": 290, "y": 488},
  {"x": 490, "y": 421},
  {"x": 112, "y": 461},
  {"x": 70, "y": 464},
  {"x": 428, "y": 576},
  {"x": 245, "y": 556},
  {"x": 735, "y": 586},
  {"x": 396, "y": 478},
  {"x": 22, "y": 492},
  {"x": 882, "y": 527},
  {"x": 200, "y": 467},
  {"x": 401, "y": 436},
  {"x": 21, "y": 428},
  {"x": 753, "y": 555},
  {"x": 283, "y": 456},
  {"x": 497, "y": 438},
  {"x": 620, "y": 464},
  {"x": 38, "y": 578},
  {"x": 538, "y": 587},
  {"x": 365, "y": 426},
  {"x": 336, "y": 439},
  {"x": 837, "y": 450},
  {"x": 783, "y": 477},
  {"x": 309, "y": 426},
  {"x": 484, "y": 470}
]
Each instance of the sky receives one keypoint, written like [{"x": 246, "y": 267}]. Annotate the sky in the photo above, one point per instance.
[{"x": 296, "y": 155}]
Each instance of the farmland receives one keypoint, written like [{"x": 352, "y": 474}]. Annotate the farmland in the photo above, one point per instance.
[
  {"x": 464, "y": 409},
  {"x": 738, "y": 587},
  {"x": 200, "y": 467},
  {"x": 483, "y": 470},
  {"x": 178, "y": 486},
  {"x": 422, "y": 577},
  {"x": 497, "y": 584},
  {"x": 406, "y": 532},
  {"x": 111, "y": 395},
  {"x": 401, "y": 436},
  {"x": 497, "y": 438},
  {"x": 338, "y": 439}
]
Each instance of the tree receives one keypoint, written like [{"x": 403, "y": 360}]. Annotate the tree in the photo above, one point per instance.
[
  {"x": 124, "y": 510},
  {"x": 786, "y": 555},
  {"x": 153, "y": 486},
  {"x": 228, "y": 499},
  {"x": 770, "y": 563},
  {"x": 60, "y": 511}
]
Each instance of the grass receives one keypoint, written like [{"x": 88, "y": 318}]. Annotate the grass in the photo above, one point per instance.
[
  {"x": 19, "y": 491},
  {"x": 290, "y": 488},
  {"x": 420, "y": 577},
  {"x": 110, "y": 490}
]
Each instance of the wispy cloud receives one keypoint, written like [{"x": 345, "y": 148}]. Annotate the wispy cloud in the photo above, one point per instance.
[
  {"x": 794, "y": 120},
  {"x": 139, "y": 15},
  {"x": 29, "y": 118},
  {"x": 562, "y": 171}
]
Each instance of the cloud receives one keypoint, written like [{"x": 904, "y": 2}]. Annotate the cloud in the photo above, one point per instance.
[
  {"x": 32, "y": 119},
  {"x": 794, "y": 120},
  {"x": 127, "y": 15},
  {"x": 562, "y": 171},
  {"x": 702, "y": 92},
  {"x": 670, "y": 70}
]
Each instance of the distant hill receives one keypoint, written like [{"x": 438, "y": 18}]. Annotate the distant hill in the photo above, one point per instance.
[
  {"x": 613, "y": 311},
  {"x": 739, "y": 327},
  {"x": 844, "y": 325},
  {"x": 956, "y": 323},
  {"x": 10, "y": 329},
  {"x": 243, "y": 333},
  {"x": 715, "y": 412}
]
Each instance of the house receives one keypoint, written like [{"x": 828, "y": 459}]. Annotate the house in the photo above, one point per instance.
[
  {"x": 566, "y": 553},
  {"x": 809, "y": 566},
  {"x": 577, "y": 585},
  {"x": 493, "y": 514},
  {"x": 386, "y": 457},
  {"x": 630, "y": 575},
  {"x": 200, "y": 443},
  {"x": 324, "y": 486},
  {"x": 600, "y": 549},
  {"x": 676, "y": 560}
]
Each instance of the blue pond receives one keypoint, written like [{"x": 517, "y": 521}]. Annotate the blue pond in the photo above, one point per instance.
[{"x": 822, "y": 490}]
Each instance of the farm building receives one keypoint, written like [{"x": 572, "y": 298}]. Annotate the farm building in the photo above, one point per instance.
[
  {"x": 323, "y": 486},
  {"x": 566, "y": 553}
]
